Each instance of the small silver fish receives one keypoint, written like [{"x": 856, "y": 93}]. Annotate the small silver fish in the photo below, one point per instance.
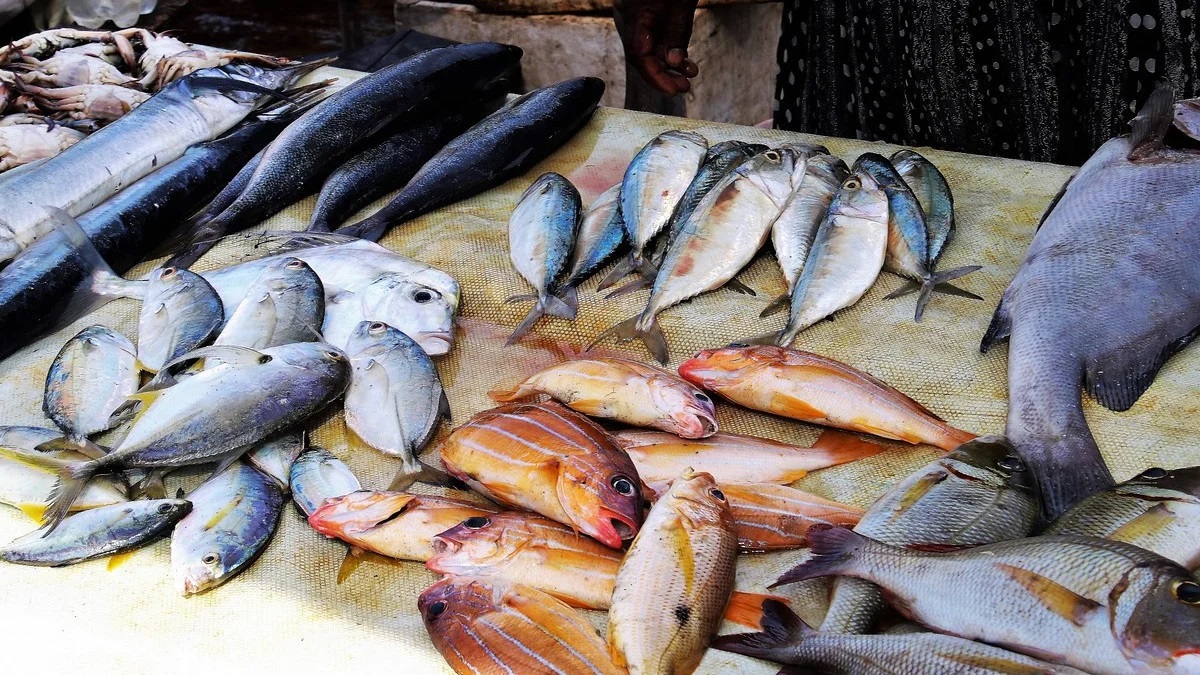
[
  {"x": 601, "y": 233},
  {"x": 180, "y": 312},
  {"x": 318, "y": 475},
  {"x": 98, "y": 532},
  {"x": 26, "y": 479},
  {"x": 286, "y": 304},
  {"x": 89, "y": 379},
  {"x": 276, "y": 456},
  {"x": 541, "y": 234},
  {"x": 234, "y": 514}
]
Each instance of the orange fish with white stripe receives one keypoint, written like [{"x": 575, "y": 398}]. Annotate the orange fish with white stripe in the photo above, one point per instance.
[
  {"x": 394, "y": 524},
  {"x": 487, "y": 626},
  {"x": 547, "y": 458},
  {"x": 736, "y": 458},
  {"x": 522, "y": 548},
  {"x": 812, "y": 388},
  {"x": 622, "y": 390}
]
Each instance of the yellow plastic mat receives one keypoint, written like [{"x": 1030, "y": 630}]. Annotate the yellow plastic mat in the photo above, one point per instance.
[{"x": 287, "y": 614}]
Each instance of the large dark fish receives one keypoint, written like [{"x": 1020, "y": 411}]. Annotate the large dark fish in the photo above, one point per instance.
[
  {"x": 37, "y": 287},
  {"x": 503, "y": 145},
  {"x": 1109, "y": 290},
  {"x": 309, "y": 148}
]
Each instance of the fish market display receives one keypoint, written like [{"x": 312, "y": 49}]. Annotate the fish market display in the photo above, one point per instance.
[
  {"x": 234, "y": 514},
  {"x": 1156, "y": 510},
  {"x": 622, "y": 390},
  {"x": 275, "y": 457},
  {"x": 97, "y": 532},
  {"x": 1097, "y": 605},
  {"x": 88, "y": 381},
  {"x": 1109, "y": 290},
  {"x": 787, "y": 639},
  {"x": 725, "y": 231},
  {"x": 395, "y": 400},
  {"x": 978, "y": 494},
  {"x": 304, "y": 153},
  {"x": 601, "y": 234},
  {"x": 812, "y": 388},
  {"x": 674, "y": 582},
  {"x": 770, "y": 517},
  {"x": 25, "y": 478},
  {"x": 179, "y": 426},
  {"x": 316, "y": 476},
  {"x": 551, "y": 460},
  {"x": 503, "y": 145},
  {"x": 197, "y": 108},
  {"x": 180, "y": 312},
  {"x": 736, "y": 458},
  {"x": 286, "y": 304},
  {"x": 541, "y": 234},
  {"x": 937, "y": 203},
  {"x": 484, "y": 626},
  {"x": 395, "y": 524},
  {"x": 22, "y": 144}
]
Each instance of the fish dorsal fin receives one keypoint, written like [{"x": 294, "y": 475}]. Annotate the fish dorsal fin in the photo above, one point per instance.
[
  {"x": 1120, "y": 377},
  {"x": 277, "y": 242},
  {"x": 1057, "y": 598},
  {"x": 1149, "y": 127}
]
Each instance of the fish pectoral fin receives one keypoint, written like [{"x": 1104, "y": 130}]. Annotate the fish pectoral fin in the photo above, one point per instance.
[
  {"x": 118, "y": 559},
  {"x": 1152, "y": 522},
  {"x": 1000, "y": 327},
  {"x": 917, "y": 490},
  {"x": 1149, "y": 127},
  {"x": 512, "y": 394},
  {"x": 795, "y": 407},
  {"x": 588, "y": 406},
  {"x": 1057, "y": 598},
  {"x": 738, "y": 287},
  {"x": 1119, "y": 378}
]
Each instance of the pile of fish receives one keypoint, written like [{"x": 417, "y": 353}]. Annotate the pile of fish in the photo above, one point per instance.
[
  {"x": 693, "y": 216},
  {"x": 58, "y": 85}
]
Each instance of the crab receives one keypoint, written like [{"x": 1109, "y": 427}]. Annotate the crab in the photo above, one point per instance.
[
  {"x": 69, "y": 68},
  {"x": 24, "y": 143},
  {"x": 89, "y": 101},
  {"x": 167, "y": 59},
  {"x": 47, "y": 42}
]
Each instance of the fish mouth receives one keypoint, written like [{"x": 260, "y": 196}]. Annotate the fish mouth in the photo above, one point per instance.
[
  {"x": 441, "y": 545},
  {"x": 436, "y": 342},
  {"x": 613, "y": 529}
]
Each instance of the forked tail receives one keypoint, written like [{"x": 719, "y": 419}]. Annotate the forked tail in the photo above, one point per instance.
[
  {"x": 780, "y": 628},
  {"x": 72, "y": 480},
  {"x": 650, "y": 335},
  {"x": 941, "y": 278}
]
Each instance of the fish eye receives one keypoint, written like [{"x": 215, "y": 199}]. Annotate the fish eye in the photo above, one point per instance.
[
  {"x": 295, "y": 265},
  {"x": 622, "y": 485},
  {"x": 422, "y": 296},
  {"x": 265, "y": 358},
  {"x": 333, "y": 356},
  {"x": 701, "y": 396},
  {"x": 168, "y": 271},
  {"x": 1154, "y": 473},
  {"x": 211, "y": 558},
  {"x": 377, "y": 327},
  {"x": 435, "y": 610},
  {"x": 164, "y": 508},
  {"x": 852, "y": 183},
  {"x": 773, "y": 155},
  {"x": 720, "y": 496},
  {"x": 738, "y": 345},
  {"x": 477, "y": 522},
  {"x": 1011, "y": 463},
  {"x": 1187, "y": 592}
]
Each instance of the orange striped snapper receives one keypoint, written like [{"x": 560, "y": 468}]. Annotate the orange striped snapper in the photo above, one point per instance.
[
  {"x": 549, "y": 459},
  {"x": 770, "y": 517},
  {"x": 626, "y": 391},
  {"x": 736, "y": 458},
  {"x": 394, "y": 524},
  {"x": 674, "y": 583},
  {"x": 813, "y": 388},
  {"x": 486, "y": 626},
  {"x": 522, "y": 548}
]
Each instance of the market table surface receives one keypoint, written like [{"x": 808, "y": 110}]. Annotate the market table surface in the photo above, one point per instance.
[{"x": 287, "y": 614}]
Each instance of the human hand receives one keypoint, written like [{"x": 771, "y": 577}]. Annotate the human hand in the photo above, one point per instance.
[{"x": 655, "y": 34}]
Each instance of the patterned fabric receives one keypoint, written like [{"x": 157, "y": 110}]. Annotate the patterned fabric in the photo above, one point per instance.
[{"x": 1045, "y": 80}]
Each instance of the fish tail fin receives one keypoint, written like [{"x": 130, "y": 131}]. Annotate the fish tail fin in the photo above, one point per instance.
[
  {"x": 564, "y": 306},
  {"x": 842, "y": 447},
  {"x": 747, "y": 609},
  {"x": 81, "y": 445},
  {"x": 1066, "y": 469},
  {"x": 631, "y": 287},
  {"x": 623, "y": 268},
  {"x": 420, "y": 473},
  {"x": 100, "y": 284},
  {"x": 511, "y": 394},
  {"x": 71, "y": 482},
  {"x": 909, "y": 287},
  {"x": 929, "y": 285},
  {"x": 1149, "y": 127},
  {"x": 776, "y": 306},
  {"x": 834, "y": 551},
  {"x": 205, "y": 235},
  {"x": 526, "y": 324},
  {"x": 370, "y": 228},
  {"x": 780, "y": 627},
  {"x": 651, "y": 335},
  {"x": 738, "y": 287}
]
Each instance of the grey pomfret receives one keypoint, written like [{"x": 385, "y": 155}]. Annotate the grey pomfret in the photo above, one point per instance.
[
  {"x": 97, "y": 532},
  {"x": 286, "y": 304},
  {"x": 88, "y": 380},
  {"x": 180, "y": 312}
]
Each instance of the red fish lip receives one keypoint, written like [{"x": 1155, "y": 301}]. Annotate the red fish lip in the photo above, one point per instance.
[{"x": 612, "y": 529}]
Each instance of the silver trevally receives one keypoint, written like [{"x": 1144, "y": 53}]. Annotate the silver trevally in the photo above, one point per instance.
[
  {"x": 541, "y": 235},
  {"x": 88, "y": 380},
  {"x": 275, "y": 456},
  {"x": 285, "y": 304},
  {"x": 26, "y": 478},
  {"x": 97, "y": 532},
  {"x": 180, "y": 312},
  {"x": 318, "y": 475}
]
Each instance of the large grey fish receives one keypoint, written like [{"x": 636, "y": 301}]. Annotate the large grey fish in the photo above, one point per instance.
[
  {"x": 541, "y": 234},
  {"x": 276, "y": 456},
  {"x": 88, "y": 380},
  {"x": 845, "y": 258},
  {"x": 318, "y": 475},
  {"x": 304, "y": 153},
  {"x": 1158, "y": 510},
  {"x": 234, "y": 514},
  {"x": 793, "y": 233},
  {"x": 1098, "y": 605},
  {"x": 26, "y": 478},
  {"x": 1109, "y": 290},
  {"x": 977, "y": 494},
  {"x": 725, "y": 231},
  {"x": 97, "y": 532},
  {"x": 785, "y": 638},
  {"x": 285, "y": 304},
  {"x": 180, "y": 312},
  {"x": 193, "y": 109},
  {"x": 217, "y": 413},
  {"x": 395, "y": 400},
  {"x": 655, "y": 180},
  {"x": 601, "y": 233}
]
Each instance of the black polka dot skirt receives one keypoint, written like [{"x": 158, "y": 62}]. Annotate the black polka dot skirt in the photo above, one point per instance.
[{"x": 1046, "y": 80}]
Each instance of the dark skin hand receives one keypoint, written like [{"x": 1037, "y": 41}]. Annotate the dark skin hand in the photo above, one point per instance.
[{"x": 656, "y": 34}]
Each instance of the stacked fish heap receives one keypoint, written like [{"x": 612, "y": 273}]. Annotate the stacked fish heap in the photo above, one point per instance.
[
  {"x": 59, "y": 85},
  {"x": 695, "y": 216}
]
